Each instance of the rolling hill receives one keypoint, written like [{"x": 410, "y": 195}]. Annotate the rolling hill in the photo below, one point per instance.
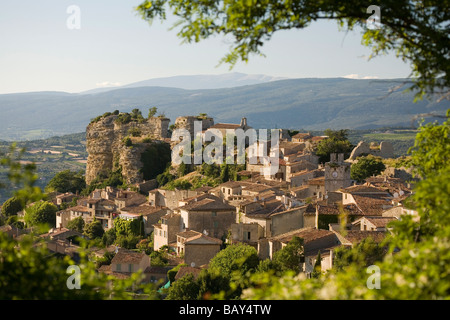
[{"x": 313, "y": 104}]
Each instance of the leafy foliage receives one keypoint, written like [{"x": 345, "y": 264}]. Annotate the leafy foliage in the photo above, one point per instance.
[
  {"x": 67, "y": 181},
  {"x": 290, "y": 257},
  {"x": 155, "y": 160},
  {"x": 337, "y": 142},
  {"x": 94, "y": 229},
  {"x": 76, "y": 224},
  {"x": 366, "y": 167},
  {"x": 11, "y": 207},
  {"x": 42, "y": 212}
]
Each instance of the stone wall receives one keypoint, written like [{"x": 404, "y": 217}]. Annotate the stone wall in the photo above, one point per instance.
[{"x": 385, "y": 150}]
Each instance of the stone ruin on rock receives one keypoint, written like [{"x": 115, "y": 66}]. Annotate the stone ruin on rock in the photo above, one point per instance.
[{"x": 384, "y": 150}]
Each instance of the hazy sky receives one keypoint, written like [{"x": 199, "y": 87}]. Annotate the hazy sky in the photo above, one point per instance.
[{"x": 114, "y": 46}]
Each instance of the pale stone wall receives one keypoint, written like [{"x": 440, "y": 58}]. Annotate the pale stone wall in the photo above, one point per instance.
[
  {"x": 386, "y": 150},
  {"x": 200, "y": 254}
]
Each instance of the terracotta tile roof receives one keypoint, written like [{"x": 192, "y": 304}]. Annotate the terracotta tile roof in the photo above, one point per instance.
[
  {"x": 317, "y": 181},
  {"x": 188, "y": 270},
  {"x": 356, "y": 236},
  {"x": 142, "y": 209},
  {"x": 200, "y": 197},
  {"x": 225, "y": 126},
  {"x": 365, "y": 189},
  {"x": 230, "y": 184},
  {"x": 127, "y": 256},
  {"x": 207, "y": 205},
  {"x": 203, "y": 189},
  {"x": 79, "y": 209},
  {"x": 302, "y": 135},
  {"x": 380, "y": 222},
  {"x": 192, "y": 235},
  {"x": 307, "y": 234},
  {"x": 371, "y": 206},
  {"x": 188, "y": 234}
]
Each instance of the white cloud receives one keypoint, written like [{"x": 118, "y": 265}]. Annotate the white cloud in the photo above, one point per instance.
[
  {"x": 106, "y": 84},
  {"x": 356, "y": 76}
]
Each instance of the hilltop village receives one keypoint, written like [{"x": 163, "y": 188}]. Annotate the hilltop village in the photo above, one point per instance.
[{"x": 187, "y": 221}]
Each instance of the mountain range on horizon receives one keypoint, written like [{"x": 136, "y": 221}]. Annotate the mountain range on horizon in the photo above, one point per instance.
[
  {"x": 196, "y": 82},
  {"x": 310, "y": 104}
]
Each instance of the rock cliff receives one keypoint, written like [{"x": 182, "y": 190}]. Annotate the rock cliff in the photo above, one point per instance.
[{"x": 108, "y": 151}]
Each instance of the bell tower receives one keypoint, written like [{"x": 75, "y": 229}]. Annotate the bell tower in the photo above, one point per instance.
[{"x": 337, "y": 173}]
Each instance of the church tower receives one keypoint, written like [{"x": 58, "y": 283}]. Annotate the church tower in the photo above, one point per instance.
[{"x": 337, "y": 173}]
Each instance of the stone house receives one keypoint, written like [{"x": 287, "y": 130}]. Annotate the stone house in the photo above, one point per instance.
[
  {"x": 128, "y": 199},
  {"x": 273, "y": 217},
  {"x": 65, "y": 216},
  {"x": 103, "y": 210},
  {"x": 64, "y": 198},
  {"x": 301, "y": 137},
  {"x": 170, "y": 198},
  {"x": 370, "y": 200},
  {"x": 313, "y": 240},
  {"x": 372, "y": 223},
  {"x": 225, "y": 128},
  {"x": 164, "y": 233},
  {"x": 151, "y": 215},
  {"x": 197, "y": 248},
  {"x": 210, "y": 215},
  {"x": 353, "y": 237},
  {"x": 248, "y": 233},
  {"x": 127, "y": 261}
]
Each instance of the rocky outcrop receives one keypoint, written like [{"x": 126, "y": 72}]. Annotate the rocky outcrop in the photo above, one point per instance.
[
  {"x": 385, "y": 150},
  {"x": 107, "y": 151}
]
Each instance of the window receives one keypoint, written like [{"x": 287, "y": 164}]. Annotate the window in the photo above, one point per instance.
[
  {"x": 216, "y": 224},
  {"x": 164, "y": 234},
  {"x": 248, "y": 235},
  {"x": 214, "y": 214},
  {"x": 130, "y": 268},
  {"x": 119, "y": 267}
]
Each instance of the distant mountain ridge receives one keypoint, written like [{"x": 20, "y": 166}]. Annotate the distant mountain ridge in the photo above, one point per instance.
[
  {"x": 313, "y": 104},
  {"x": 197, "y": 82}
]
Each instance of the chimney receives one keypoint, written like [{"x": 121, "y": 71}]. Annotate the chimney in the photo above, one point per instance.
[
  {"x": 243, "y": 122},
  {"x": 333, "y": 157},
  {"x": 340, "y": 157}
]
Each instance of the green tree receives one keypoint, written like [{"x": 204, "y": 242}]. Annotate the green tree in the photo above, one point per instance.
[
  {"x": 173, "y": 272},
  {"x": 11, "y": 207},
  {"x": 224, "y": 172},
  {"x": 185, "y": 288},
  {"x": 239, "y": 257},
  {"x": 67, "y": 181},
  {"x": 366, "y": 167},
  {"x": 152, "y": 111},
  {"x": 416, "y": 31},
  {"x": 94, "y": 229},
  {"x": 76, "y": 224},
  {"x": 14, "y": 221},
  {"x": 136, "y": 114},
  {"x": 337, "y": 142},
  {"x": 290, "y": 257},
  {"x": 42, "y": 212},
  {"x": 155, "y": 160}
]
